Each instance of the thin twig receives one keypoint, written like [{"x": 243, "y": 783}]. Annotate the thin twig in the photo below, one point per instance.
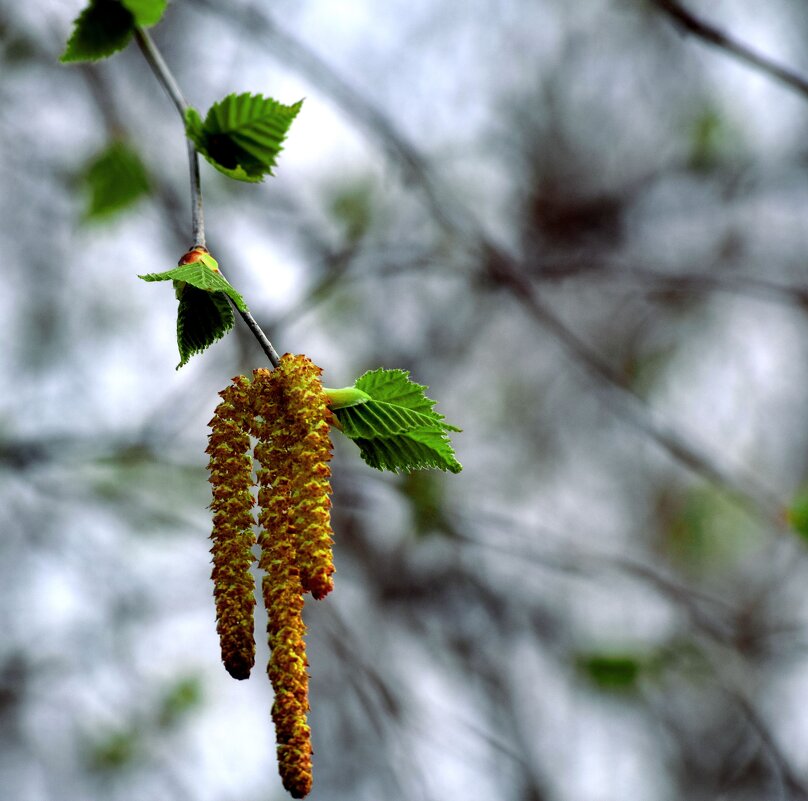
[
  {"x": 788, "y": 784},
  {"x": 169, "y": 83},
  {"x": 709, "y": 33},
  {"x": 161, "y": 70},
  {"x": 563, "y": 557},
  {"x": 197, "y": 212},
  {"x": 103, "y": 97},
  {"x": 594, "y": 267},
  {"x": 265, "y": 344}
]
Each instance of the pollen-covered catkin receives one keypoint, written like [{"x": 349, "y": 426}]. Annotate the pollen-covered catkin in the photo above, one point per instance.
[
  {"x": 282, "y": 590},
  {"x": 230, "y": 476},
  {"x": 306, "y": 425},
  {"x": 287, "y": 668}
]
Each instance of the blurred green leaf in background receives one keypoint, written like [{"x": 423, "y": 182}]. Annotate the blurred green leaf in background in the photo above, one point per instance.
[{"x": 114, "y": 181}]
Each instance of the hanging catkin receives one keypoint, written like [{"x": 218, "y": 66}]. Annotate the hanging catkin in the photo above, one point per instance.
[
  {"x": 285, "y": 410},
  {"x": 308, "y": 424},
  {"x": 230, "y": 476},
  {"x": 282, "y": 589}
]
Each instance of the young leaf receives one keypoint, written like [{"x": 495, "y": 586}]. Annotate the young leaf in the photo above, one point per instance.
[
  {"x": 395, "y": 387},
  {"x": 242, "y": 135},
  {"x": 397, "y": 428},
  {"x": 201, "y": 275},
  {"x": 204, "y": 315},
  {"x": 202, "y": 319},
  {"x": 106, "y": 26},
  {"x": 103, "y": 28},
  {"x": 115, "y": 179}
]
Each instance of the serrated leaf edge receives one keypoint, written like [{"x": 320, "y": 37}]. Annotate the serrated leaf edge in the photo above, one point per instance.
[
  {"x": 216, "y": 281},
  {"x": 228, "y": 321},
  {"x": 198, "y": 130},
  {"x": 66, "y": 58}
]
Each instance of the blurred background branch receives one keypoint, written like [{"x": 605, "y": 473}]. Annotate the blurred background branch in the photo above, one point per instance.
[{"x": 691, "y": 23}]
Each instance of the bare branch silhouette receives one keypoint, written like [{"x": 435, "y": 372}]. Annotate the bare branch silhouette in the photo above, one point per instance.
[
  {"x": 690, "y": 23},
  {"x": 169, "y": 83}
]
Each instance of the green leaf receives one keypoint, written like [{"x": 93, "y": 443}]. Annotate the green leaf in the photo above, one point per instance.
[
  {"x": 611, "y": 672},
  {"x": 202, "y": 318},
  {"x": 115, "y": 179},
  {"x": 204, "y": 315},
  {"x": 146, "y": 12},
  {"x": 202, "y": 275},
  {"x": 398, "y": 429},
  {"x": 103, "y": 28},
  {"x": 242, "y": 135}
]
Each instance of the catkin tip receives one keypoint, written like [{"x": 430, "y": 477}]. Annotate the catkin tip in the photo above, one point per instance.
[{"x": 240, "y": 666}]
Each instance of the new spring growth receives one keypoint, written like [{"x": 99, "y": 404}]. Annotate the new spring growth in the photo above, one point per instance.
[{"x": 286, "y": 412}]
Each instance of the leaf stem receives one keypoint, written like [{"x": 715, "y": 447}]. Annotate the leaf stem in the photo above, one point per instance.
[
  {"x": 166, "y": 78},
  {"x": 344, "y": 397},
  {"x": 164, "y": 75}
]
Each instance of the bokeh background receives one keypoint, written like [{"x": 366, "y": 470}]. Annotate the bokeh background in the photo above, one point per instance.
[{"x": 585, "y": 230}]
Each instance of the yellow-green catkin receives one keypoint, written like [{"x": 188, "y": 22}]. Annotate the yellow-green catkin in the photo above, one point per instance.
[
  {"x": 306, "y": 426},
  {"x": 295, "y": 421},
  {"x": 281, "y": 585},
  {"x": 230, "y": 469}
]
